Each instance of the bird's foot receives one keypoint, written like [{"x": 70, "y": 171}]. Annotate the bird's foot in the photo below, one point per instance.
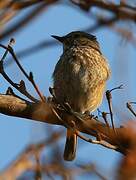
[{"x": 87, "y": 114}]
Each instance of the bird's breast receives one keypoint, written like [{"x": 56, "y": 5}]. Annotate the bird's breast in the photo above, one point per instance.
[{"x": 79, "y": 78}]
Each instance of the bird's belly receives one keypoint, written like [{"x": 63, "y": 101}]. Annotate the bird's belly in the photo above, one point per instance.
[
  {"x": 79, "y": 83},
  {"x": 86, "y": 98},
  {"x": 80, "y": 90}
]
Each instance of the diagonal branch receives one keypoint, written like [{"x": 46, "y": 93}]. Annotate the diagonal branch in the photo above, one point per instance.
[
  {"x": 14, "y": 106},
  {"x": 123, "y": 13},
  {"x": 30, "y": 77},
  {"x": 27, "y": 19},
  {"x": 24, "y": 161}
]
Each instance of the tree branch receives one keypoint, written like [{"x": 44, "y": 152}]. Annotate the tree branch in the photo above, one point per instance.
[
  {"x": 125, "y": 13},
  {"x": 14, "y": 106}
]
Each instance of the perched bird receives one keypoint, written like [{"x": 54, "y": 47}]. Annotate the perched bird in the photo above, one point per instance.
[{"x": 79, "y": 78}]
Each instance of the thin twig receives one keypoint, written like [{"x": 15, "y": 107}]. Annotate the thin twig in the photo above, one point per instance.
[
  {"x": 75, "y": 131},
  {"x": 21, "y": 5},
  {"x": 24, "y": 21},
  {"x": 31, "y": 79},
  {"x": 122, "y": 13},
  {"x": 109, "y": 99},
  {"x": 104, "y": 115},
  {"x": 118, "y": 87},
  {"x": 17, "y": 86},
  {"x": 30, "y": 76},
  {"x": 6, "y": 52},
  {"x": 128, "y": 104},
  {"x": 21, "y": 87},
  {"x": 101, "y": 142}
]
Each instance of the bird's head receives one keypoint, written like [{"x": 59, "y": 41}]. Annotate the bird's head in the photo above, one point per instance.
[{"x": 78, "y": 38}]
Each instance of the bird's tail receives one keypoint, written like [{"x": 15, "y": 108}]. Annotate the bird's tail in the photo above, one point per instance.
[{"x": 70, "y": 146}]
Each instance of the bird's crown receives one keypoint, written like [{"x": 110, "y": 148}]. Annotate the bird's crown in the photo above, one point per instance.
[
  {"x": 78, "y": 38},
  {"x": 80, "y": 34},
  {"x": 76, "y": 35}
]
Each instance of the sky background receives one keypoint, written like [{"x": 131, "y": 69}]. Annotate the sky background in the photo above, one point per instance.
[{"x": 16, "y": 133}]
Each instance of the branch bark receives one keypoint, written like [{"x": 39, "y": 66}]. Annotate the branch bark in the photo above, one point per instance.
[{"x": 13, "y": 106}]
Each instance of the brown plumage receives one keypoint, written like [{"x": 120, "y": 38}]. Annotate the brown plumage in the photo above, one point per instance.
[{"x": 80, "y": 78}]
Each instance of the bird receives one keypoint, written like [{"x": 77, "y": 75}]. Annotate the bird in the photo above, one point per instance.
[{"x": 79, "y": 78}]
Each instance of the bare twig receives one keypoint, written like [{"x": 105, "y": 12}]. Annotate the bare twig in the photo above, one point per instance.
[
  {"x": 27, "y": 18},
  {"x": 25, "y": 4},
  {"x": 128, "y": 104},
  {"x": 42, "y": 112},
  {"x": 72, "y": 127},
  {"x": 104, "y": 115},
  {"x": 116, "y": 88},
  {"x": 122, "y": 13},
  {"x": 29, "y": 77},
  {"x": 109, "y": 99},
  {"x": 101, "y": 142},
  {"x": 20, "y": 87}
]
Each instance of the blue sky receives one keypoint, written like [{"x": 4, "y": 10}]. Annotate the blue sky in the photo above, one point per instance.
[{"x": 16, "y": 133}]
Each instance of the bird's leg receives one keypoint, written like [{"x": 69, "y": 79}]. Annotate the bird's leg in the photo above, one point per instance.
[
  {"x": 87, "y": 113},
  {"x": 66, "y": 106}
]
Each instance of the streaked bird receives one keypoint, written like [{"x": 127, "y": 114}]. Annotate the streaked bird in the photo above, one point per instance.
[{"x": 79, "y": 78}]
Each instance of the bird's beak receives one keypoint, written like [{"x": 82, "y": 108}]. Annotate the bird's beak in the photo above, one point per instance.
[{"x": 61, "y": 39}]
